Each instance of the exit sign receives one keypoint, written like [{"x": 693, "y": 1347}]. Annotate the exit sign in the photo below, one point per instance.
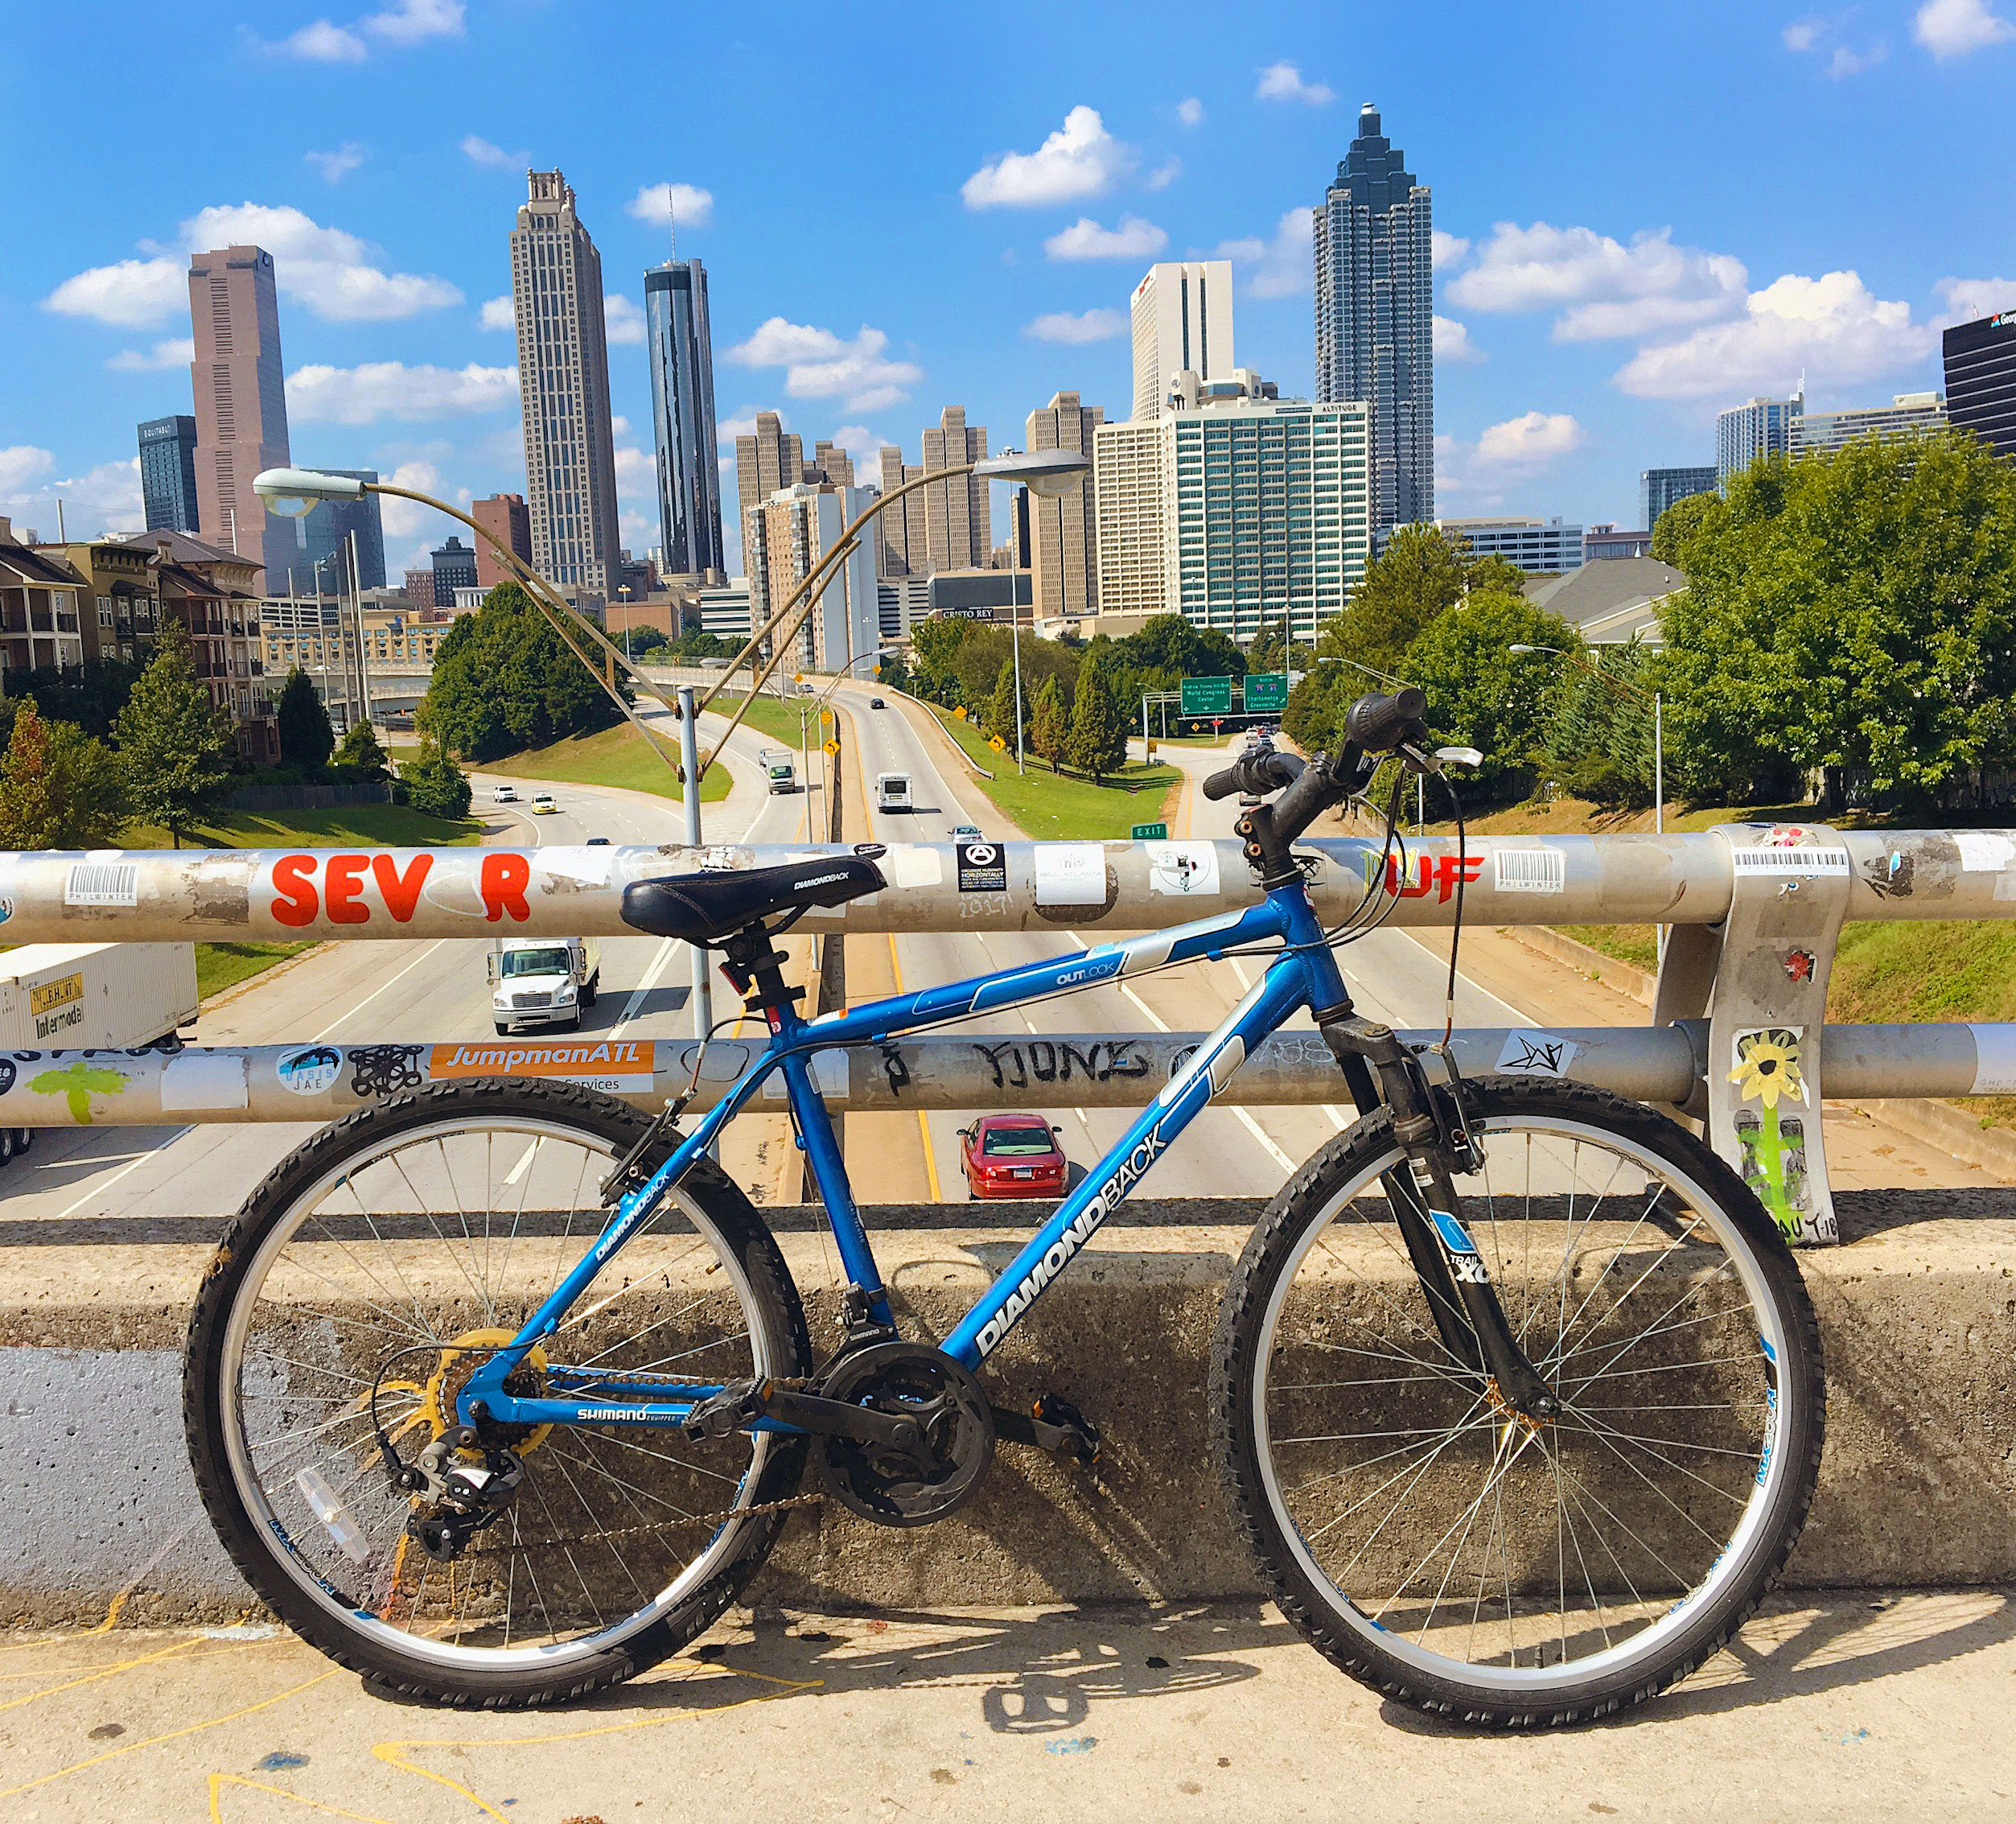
[{"x": 1151, "y": 833}]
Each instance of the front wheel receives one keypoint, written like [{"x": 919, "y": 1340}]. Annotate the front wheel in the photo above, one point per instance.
[
  {"x": 377, "y": 1268},
  {"x": 1429, "y": 1539}
]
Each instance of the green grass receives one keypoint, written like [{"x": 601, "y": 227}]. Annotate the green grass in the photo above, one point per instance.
[
  {"x": 1637, "y": 945},
  {"x": 778, "y": 720},
  {"x": 220, "y": 966},
  {"x": 379, "y": 826},
  {"x": 1067, "y": 805},
  {"x": 611, "y": 756}
]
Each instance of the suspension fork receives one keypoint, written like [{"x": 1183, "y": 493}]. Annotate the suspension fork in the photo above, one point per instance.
[{"x": 1469, "y": 1317}]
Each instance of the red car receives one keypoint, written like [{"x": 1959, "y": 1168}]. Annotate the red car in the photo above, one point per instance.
[{"x": 1012, "y": 1155}]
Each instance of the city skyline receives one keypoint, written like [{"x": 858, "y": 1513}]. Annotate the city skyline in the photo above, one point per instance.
[{"x": 1606, "y": 303}]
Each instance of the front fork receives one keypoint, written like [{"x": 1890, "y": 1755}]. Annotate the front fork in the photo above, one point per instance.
[{"x": 1378, "y": 1069}]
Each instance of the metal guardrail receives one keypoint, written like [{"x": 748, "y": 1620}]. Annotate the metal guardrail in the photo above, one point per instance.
[{"x": 1737, "y": 1035}]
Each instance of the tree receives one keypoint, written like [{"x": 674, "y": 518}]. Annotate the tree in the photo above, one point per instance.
[
  {"x": 362, "y": 753},
  {"x": 1852, "y": 614},
  {"x": 175, "y": 744},
  {"x": 1049, "y": 730},
  {"x": 1000, "y": 706},
  {"x": 305, "y": 738},
  {"x": 503, "y": 680},
  {"x": 1599, "y": 734},
  {"x": 1480, "y": 693},
  {"x": 435, "y": 783},
  {"x": 1167, "y": 647},
  {"x": 59, "y": 788},
  {"x": 1098, "y": 743},
  {"x": 1677, "y": 525}
]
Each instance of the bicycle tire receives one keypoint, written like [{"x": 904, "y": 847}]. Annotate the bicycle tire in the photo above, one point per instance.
[
  {"x": 1284, "y": 1544},
  {"x": 323, "y": 1614}
]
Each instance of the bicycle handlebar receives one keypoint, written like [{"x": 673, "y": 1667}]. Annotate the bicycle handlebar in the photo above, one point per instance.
[
  {"x": 1257, "y": 773},
  {"x": 1377, "y": 723}
]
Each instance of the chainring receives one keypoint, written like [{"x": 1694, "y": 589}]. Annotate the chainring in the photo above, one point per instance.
[{"x": 889, "y": 1485}]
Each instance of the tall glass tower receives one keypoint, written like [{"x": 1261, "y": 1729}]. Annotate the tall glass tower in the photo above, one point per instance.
[
  {"x": 1375, "y": 317},
  {"x": 682, "y": 410}
]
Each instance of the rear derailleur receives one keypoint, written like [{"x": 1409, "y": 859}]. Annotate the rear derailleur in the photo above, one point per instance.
[{"x": 463, "y": 1496}]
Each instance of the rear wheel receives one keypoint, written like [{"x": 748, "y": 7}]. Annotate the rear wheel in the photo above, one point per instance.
[
  {"x": 375, "y": 1270},
  {"x": 1441, "y": 1548}
]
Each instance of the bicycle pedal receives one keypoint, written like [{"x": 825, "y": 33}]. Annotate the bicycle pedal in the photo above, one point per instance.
[{"x": 1055, "y": 1425}]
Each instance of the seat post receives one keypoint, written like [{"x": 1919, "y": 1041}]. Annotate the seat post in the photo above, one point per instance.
[{"x": 755, "y": 965}]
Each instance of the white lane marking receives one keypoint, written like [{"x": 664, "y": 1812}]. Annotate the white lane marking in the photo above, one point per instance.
[
  {"x": 518, "y": 1171},
  {"x": 359, "y": 1006},
  {"x": 658, "y": 962},
  {"x": 99, "y": 1190}
]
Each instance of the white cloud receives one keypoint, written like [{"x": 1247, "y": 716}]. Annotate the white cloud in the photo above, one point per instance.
[
  {"x": 335, "y": 166},
  {"x": 688, "y": 205},
  {"x": 391, "y": 390},
  {"x": 1080, "y": 159},
  {"x": 1952, "y": 28},
  {"x": 877, "y": 398},
  {"x": 1847, "y": 63},
  {"x": 1164, "y": 175},
  {"x": 1529, "y": 441},
  {"x": 1079, "y": 328},
  {"x": 105, "y": 498},
  {"x": 1282, "y": 266},
  {"x": 1818, "y": 33},
  {"x": 1133, "y": 239},
  {"x": 405, "y": 519},
  {"x": 622, "y": 322},
  {"x": 818, "y": 365},
  {"x": 498, "y": 313},
  {"x": 480, "y": 151},
  {"x": 1802, "y": 35},
  {"x": 411, "y": 21},
  {"x": 1190, "y": 111},
  {"x": 1833, "y": 325},
  {"x": 19, "y": 464},
  {"x": 618, "y": 425},
  {"x": 324, "y": 269},
  {"x": 1283, "y": 82},
  {"x": 175, "y": 353},
  {"x": 320, "y": 42},
  {"x": 1453, "y": 342},
  {"x": 1612, "y": 290},
  {"x": 1448, "y": 248},
  {"x": 1969, "y": 298},
  {"x": 636, "y": 475},
  {"x": 864, "y": 447}
]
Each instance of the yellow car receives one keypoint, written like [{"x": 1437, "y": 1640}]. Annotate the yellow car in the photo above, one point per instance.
[{"x": 542, "y": 804}]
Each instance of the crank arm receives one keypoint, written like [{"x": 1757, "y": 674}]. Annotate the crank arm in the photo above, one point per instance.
[{"x": 839, "y": 1419}]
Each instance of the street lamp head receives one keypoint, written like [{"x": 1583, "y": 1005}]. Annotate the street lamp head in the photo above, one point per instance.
[
  {"x": 1555, "y": 651},
  {"x": 1052, "y": 473},
  {"x": 292, "y": 492}
]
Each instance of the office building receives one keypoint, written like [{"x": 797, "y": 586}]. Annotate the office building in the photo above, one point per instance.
[
  {"x": 682, "y": 410},
  {"x": 958, "y": 516},
  {"x": 563, "y": 388},
  {"x": 724, "y": 612},
  {"x": 783, "y": 539},
  {"x": 1540, "y": 547},
  {"x": 419, "y": 588},
  {"x": 903, "y": 539},
  {"x": 1063, "y": 541},
  {"x": 1659, "y": 487},
  {"x": 904, "y": 601},
  {"x": 1981, "y": 380},
  {"x": 830, "y": 463},
  {"x": 168, "y": 474},
  {"x": 1747, "y": 434},
  {"x": 241, "y": 404},
  {"x": 1606, "y": 544},
  {"x": 1129, "y": 516},
  {"x": 766, "y": 459},
  {"x": 1907, "y": 415},
  {"x": 455, "y": 567},
  {"x": 504, "y": 517},
  {"x": 1375, "y": 316},
  {"x": 326, "y": 533},
  {"x": 1181, "y": 319}
]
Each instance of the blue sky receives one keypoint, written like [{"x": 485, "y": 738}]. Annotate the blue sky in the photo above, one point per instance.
[{"x": 1650, "y": 212}]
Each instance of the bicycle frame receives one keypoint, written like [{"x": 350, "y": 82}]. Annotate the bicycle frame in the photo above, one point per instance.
[{"x": 1305, "y": 975}]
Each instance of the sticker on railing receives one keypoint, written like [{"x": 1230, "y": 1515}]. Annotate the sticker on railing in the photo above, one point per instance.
[
  {"x": 1529, "y": 870},
  {"x": 102, "y": 883},
  {"x": 1183, "y": 869},
  {"x": 1781, "y": 862},
  {"x": 1537, "y": 1054},
  {"x": 1070, "y": 874},
  {"x": 1994, "y": 1058},
  {"x": 1984, "y": 852}
]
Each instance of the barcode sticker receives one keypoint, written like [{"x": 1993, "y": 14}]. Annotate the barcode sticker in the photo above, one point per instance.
[
  {"x": 1789, "y": 861},
  {"x": 102, "y": 883},
  {"x": 1530, "y": 870}
]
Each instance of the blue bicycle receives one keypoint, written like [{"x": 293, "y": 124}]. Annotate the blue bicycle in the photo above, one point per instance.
[{"x": 501, "y": 1392}]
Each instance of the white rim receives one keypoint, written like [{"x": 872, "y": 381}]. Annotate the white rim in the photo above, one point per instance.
[
  {"x": 1649, "y": 1643},
  {"x": 267, "y": 1525}
]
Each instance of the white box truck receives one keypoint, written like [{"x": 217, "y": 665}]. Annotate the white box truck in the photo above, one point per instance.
[
  {"x": 543, "y": 980},
  {"x": 777, "y": 767},
  {"x": 892, "y": 792},
  {"x": 65, "y": 997}
]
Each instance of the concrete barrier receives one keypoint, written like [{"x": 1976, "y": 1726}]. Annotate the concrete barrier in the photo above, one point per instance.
[{"x": 1918, "y": 1312}]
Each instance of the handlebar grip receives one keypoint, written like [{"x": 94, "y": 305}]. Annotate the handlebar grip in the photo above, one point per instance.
[
  {"x": 1222, "y": 785},
  {"x": 1378, "y": 723},
  {"x": 1255, "y": 773}
]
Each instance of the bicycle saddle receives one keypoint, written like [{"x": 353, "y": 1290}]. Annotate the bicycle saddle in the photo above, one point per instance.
[{"x": 705, "y": 907}]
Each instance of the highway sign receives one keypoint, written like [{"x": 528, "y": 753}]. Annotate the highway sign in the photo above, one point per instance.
[
  {"x": 1266, "y": 692},
  {"x": 1151, "y": 833},
  {"x": 1206, "y": 696},
  {"x": 833, "y": 747},
  {"x": 996, "y": 743},
  {"x": 825, "y": 715}
]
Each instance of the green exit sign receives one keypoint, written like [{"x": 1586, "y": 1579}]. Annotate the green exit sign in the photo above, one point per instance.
[
  {"x": 1206, "y": 696},
  {"x": 1151, "y": 833},
  {"x": 1267, "y": 693}
]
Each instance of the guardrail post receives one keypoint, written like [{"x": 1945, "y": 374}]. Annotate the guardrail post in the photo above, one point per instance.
[{"x": 1770, "y": 960}]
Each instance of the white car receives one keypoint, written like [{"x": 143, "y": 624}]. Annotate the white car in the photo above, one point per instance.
[
  {"x": 543, "y": 804},
  {"x": 967, "y": 832},
  {"x": 505, "y": 795}
]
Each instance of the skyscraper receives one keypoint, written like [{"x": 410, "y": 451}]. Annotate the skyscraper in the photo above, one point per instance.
[
  {"x": 326, "y": 535},
  {"x": 1065, "y": 557},
  {"x": 682, "y": 410},
  {"x": 168, "y": 474},
  {"x": 904, "y": 549},
  {"x": 1182, "y": 312},
  {"x": 505, "y": 518},
  {"x": 1981, "y": 380},
  {"x": 1906, "y": 415},
  {"x": 1375, "y": 316},
  {"x": 784, "y": 538},
  {"x": 563, "y": 388},
  {"x": 455, "y": 567},
  {"x": 766, "y": 459},
  {"x": 1744, "y": 433},
  {"x": 958, "y": 519},
  {"x": 241, "y": 406},
  {"x": 1659, "y": 487}
]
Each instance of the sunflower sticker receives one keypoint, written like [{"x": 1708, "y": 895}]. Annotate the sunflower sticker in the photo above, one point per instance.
[{"x": 1767, "y": 1072}]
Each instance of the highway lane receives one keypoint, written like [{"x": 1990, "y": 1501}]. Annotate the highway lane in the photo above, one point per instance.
[{"x": 391, "y": 991}]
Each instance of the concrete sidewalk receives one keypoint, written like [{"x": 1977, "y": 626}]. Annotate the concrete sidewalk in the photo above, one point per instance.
[{"x": 1874, "y": 1706}]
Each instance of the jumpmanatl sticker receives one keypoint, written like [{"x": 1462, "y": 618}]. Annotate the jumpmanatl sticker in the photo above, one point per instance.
[{"x": 617, "y": 1064}]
